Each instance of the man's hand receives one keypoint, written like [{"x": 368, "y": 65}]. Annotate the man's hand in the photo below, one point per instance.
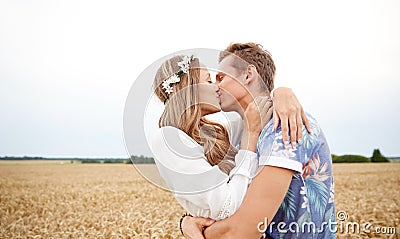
[
  {"x": 192, "y": 227},
  {"x": 288, "y": 110}
]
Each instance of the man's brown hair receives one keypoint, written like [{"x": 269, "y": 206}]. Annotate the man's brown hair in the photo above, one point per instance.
[{"x": 253, "y": 54}]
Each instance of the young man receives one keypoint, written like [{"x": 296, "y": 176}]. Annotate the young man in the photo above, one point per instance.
[{"x": 292, "y": 196}]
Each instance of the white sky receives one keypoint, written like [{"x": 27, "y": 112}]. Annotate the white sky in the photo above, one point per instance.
[{"x": 66, "y": 67}]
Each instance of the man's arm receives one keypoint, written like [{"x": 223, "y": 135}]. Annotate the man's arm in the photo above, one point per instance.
[{"x": 260, "y": 204}]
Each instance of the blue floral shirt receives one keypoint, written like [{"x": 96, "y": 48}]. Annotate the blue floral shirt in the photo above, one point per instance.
[{"x": 307, "y": 210}]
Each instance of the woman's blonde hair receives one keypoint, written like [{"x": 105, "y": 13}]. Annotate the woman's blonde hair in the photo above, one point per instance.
[{"x": 182, "y": 111}]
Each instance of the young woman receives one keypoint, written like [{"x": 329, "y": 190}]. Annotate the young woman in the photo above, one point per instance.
[{"x": 195, "y": 156}]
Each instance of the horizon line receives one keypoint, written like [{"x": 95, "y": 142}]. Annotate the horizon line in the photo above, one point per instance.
[
  {"x": 71, "y": 157},
  {"x": 126, "y": 157}
]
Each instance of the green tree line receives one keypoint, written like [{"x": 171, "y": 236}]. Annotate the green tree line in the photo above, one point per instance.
[{"x": 377, "y": 157}]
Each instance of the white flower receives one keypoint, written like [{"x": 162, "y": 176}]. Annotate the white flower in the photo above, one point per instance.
[
  {"x": 165, "y": 84},
  {"x": 332, "y": 194},
  {"x": 276, "y": 146},
  {"x": 331, "y": 197},
  {"x": 174, "y": 79},
  {"x": 285, "y": 152},
  {"x": 305, "y": 203},
  {"x": 169, "y": 90},
  {"x": 184, "y": 68},
  {"x": 184, "y": 64},
  {"x": 303, "y": 190},
  {"x": 186, "y": 59}
]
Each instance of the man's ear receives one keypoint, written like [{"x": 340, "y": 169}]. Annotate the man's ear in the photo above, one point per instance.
[{"x": 251, "y": 74}]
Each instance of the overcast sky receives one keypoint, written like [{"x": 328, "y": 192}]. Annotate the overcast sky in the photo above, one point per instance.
[{"x": 66, "y": 67}]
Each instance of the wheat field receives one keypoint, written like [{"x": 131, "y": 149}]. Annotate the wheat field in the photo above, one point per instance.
[{"x": 53, "y": 199}]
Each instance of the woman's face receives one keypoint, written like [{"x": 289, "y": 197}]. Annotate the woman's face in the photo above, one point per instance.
[{"x": 208, "y": 93}]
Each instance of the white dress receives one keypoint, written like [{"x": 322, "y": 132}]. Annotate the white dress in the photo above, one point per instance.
[{"x": 203, "y": 190}]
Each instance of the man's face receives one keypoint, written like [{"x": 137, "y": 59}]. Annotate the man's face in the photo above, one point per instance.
[{"x": 230, "y": 82}]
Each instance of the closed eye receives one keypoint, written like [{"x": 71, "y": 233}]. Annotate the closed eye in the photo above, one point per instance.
[
  {"x": 209, "y": 79},
  {"x": 220, "y": 77}
]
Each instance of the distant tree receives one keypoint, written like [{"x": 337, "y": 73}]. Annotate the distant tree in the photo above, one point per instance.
[
  {"x": 334, "y": 157},
  {"x": 142, "y": 159},
  {"x": 349, "y": 158},
  {"x": 378, "y": 157}
]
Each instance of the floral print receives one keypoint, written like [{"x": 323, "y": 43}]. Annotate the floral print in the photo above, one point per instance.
[{"x": 310, "y": 197}]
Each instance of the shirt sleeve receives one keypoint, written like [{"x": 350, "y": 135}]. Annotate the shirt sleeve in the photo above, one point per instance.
[
  {"x": 272, "y": 151},
  {"x": 202, "y": 189}
]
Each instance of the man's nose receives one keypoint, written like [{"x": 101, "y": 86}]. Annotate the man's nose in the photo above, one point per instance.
[{"x": 217, "y": 81}]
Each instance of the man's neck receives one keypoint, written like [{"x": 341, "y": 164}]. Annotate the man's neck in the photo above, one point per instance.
[{"x": 246, "y": 100}]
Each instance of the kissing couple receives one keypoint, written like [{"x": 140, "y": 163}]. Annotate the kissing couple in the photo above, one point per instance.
[{"x": 265, "y": 173}]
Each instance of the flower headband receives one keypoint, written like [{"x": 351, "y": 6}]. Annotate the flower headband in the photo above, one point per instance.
[{"x": 175, "y": 78}]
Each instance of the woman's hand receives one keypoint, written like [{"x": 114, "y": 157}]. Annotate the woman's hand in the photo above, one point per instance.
[
  {"x": 288, "y": 110},
  {"x": 192, "y": 227},
  {"x": 256, "y": 115}
]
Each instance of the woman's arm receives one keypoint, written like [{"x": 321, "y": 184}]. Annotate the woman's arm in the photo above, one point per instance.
[
  {"x": 196, "y": 184},
  {"x": 289, "y": 112},
  {"x": 218, "y": 202}
]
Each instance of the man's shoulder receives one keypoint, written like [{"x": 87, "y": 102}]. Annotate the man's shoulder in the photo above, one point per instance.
[
  {"x": 268, "y": 129},
  {"x": 271, "y": 142}
]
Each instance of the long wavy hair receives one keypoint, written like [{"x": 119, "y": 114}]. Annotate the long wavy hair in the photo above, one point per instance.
[{"x": 182, "y": 111}]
